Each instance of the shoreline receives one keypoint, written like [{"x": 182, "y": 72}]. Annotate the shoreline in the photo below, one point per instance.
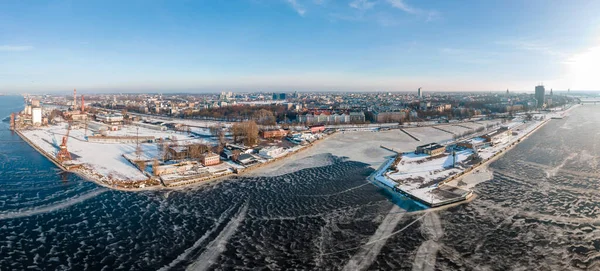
[
  {"x": 81, "y": 171},
  {"x": 272, "y": 165},
  {"x": 456, "y": 179}
]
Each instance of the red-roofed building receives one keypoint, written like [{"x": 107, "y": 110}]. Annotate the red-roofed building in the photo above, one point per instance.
[{"x": 316, "y": 128}]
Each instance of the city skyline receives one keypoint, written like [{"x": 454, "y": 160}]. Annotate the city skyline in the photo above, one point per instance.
[{"x": 295, "y": 45}]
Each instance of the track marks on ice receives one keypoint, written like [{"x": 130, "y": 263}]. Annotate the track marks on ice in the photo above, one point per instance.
[
  {"x": 54, "y": 207},
  {"x": 217, "y": 246},
  {"x": 184, "y": 256},
  {"x": 337, "y": 193},
  {"x": 364, "y": 258},
  {"x": 431, "y": 228}
]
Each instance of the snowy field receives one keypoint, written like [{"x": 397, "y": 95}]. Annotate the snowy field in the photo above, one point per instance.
[
  {"x": 457, "y": 130},
  {"x": 182, "y": 137},
  {"x": 472, "y": 125},
  {"x": 428, "y": 134},
  {"x": 193, "y": 122},
  {"x": 360, "y": 146},
  {"x": 105, "y": 159},
  {"x": 418, "y": 170}
]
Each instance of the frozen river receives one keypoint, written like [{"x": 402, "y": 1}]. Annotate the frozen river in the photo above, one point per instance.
[{"x": 317, "y": 212}]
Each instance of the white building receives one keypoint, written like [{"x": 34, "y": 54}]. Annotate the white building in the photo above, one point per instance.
[
  {"x": 36, "y": 116},
  {"x": 324, "y": 118},
  {"x": 109, "y": 118},
  {"x": 271, "y": 151}
]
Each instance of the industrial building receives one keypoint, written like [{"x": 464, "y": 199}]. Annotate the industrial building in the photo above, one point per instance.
[
  {"x": 121, "y": 139},
  {"x": 275, "y": 133},
  {"x": 36, "y": 116},
  {"x": 432, "y": 149},
  {"x": 474, "y": 143},
  {"x": 178, "y": 152},
  {"x": 497, "y": 135},
  {"x": 210, "y": 159},
  {"x": 113, "y": 119}
]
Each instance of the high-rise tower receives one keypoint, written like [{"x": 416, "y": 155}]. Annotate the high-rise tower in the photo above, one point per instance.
[{"x": 539, "y": 95}]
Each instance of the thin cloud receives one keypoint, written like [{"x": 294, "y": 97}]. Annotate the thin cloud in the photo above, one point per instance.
[
  {"x": 399, "y": 4},
  {"x": 361, "y": 4},
  {"x": 430, "y": 15},
  {"x": 297, "y": 7},
  {"x": 15, "y": 48}
]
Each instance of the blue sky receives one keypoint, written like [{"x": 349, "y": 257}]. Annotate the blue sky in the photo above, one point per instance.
[{"x": 346, "y": 45}]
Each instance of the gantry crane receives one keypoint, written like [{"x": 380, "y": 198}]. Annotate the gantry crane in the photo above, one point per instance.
[{"x": 63, "y": 154}]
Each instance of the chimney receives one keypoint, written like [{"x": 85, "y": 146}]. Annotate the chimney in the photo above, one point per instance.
[{"x": 82, "y": 104}]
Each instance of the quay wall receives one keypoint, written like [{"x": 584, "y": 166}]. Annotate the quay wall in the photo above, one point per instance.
[
  {"x": 469, "y": 170},
  {"x": 33, "y": 145}
]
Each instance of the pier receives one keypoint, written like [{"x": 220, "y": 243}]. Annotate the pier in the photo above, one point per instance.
[{"x": 412, "y": 136}]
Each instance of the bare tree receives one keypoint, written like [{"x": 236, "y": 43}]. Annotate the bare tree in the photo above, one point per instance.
[
  {"x": 251, "y": 133},
  {"x": 162, "y": 149},
  {"x": 246, "y": 131},
  {"x": 264, "y": 117},
  {"x": 235, "y": 155},
  {"x": 218, "y": 149},
  {"x": 237, "y": 131},
  {"x": 215, "y": 130},
  {"x": 203, "y": 148},
  {"x": 155, "y": 166},
  {"x": 197, "y": 150},
  {"x": 194, "y": 151}
]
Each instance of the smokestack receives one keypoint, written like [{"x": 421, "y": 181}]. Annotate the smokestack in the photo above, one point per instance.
[
  {"x": 82, "y": 104},
  {"x": 74, "y": 99}
]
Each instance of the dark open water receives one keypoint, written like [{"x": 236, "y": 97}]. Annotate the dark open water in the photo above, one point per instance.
[{"x": 539, "y": 213}]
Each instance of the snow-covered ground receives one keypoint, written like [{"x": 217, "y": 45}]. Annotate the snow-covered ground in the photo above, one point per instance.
[
  {"x": 457, "y": 130},
  {"x": 428, "y": 134},
  {"x": 104, "y": 159},
  {"x": 192, "y": 122},
  {"x": 182, "y": 137},
  {"x": 361, "y": 146},
  {"x": 472, "y": 125},
  {"x": 416, "y": 170},
  {"x": 418, "y": 174}
]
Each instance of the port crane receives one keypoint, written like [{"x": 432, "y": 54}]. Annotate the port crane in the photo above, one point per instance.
[{"x": 63, "y": 154}]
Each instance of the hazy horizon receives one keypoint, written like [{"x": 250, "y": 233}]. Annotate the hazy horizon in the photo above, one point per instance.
[{"x": 208, "y": 92}]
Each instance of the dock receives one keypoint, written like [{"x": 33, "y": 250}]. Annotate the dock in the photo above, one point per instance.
[
  {"x": 412, "y": 136},
  {"x": 441, "y": 193}
]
